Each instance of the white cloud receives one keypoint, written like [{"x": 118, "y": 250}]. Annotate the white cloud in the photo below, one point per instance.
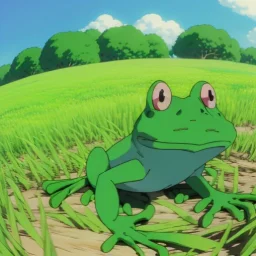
[
  {"x": 103, "y": 22},
  {"x": 252, "y": 36},
  {"x": 153, "y": 23},
  {"x": 243, "y": 7}
]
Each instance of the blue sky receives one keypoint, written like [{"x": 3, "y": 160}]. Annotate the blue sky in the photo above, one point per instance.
[{"x": 30, "y": 23}]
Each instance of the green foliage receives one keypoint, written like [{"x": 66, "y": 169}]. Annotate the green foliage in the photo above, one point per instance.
[
  {"x": 171, "y": 52},
  {"x": 125, "y": 42},
  {"x": 157, "y": 47},
  {"x": 206, "y": 42},
  {"x": 248, "y": 55},
  {"x": 69, "y": 49},
  {"x": 93, "y": 33},
  {"x": 26, "y": 63},
  {"x": 3, "y": 72}
]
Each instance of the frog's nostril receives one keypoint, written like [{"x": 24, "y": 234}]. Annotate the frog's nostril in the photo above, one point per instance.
[
  {"x": 179, "y": 112},
  {"x": 202, "y": 111},
  {"x": 150, "y": 114},
  {"x": 192, "y": 120}
]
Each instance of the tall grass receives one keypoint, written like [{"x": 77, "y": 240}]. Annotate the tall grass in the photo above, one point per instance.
[
  {"x": 50, "y": 122},
  {"x": 65, "y": 102}
]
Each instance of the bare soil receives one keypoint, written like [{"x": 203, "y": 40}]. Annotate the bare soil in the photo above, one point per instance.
[{"x": 73, "y": 241}]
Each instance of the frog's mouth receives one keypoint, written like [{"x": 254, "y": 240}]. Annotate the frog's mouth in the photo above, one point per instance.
[{"x": 155, "y": 144}]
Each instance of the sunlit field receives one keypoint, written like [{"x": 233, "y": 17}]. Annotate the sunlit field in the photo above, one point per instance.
[{"x": 50, "y": 122}]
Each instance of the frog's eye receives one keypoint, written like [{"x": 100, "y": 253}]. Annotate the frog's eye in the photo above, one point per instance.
[
  {"x": 208, "y": 96},
  {"x": 162, "y": 96}
]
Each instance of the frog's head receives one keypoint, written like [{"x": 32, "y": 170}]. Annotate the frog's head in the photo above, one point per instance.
[{"x": 193, "y": 123}]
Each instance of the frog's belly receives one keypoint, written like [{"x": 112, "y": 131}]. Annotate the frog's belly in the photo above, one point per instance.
[{"x": 166, "y": 168}]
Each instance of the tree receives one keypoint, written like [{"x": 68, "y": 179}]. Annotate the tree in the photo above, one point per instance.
[
  {"x": 157, "y": 47},
  {"x": 248, "y": 55},
  {"x": 67, "y": 49},
  {"x": 125, "y": 42},
  {"x": 26, "y": 63},
  {"x": 206, "y": 42},
  {"x": 171, "y": 53},
  {"x": 93, "y": 33},
  {"x": 3, "y": 73}
]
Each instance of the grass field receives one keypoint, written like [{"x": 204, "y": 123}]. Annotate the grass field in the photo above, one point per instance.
[{"x": 44, "y": 117}]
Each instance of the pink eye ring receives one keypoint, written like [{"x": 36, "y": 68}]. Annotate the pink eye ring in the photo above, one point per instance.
[
  {"x": 162, "y": 96},
  {"x": 208, "y": 96}
]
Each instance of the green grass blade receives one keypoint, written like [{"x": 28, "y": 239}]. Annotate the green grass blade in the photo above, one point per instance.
[
  {"x": 95, "y": 220},
  {"x": 235, "y": 180},
  {"x": 186, "y": 240},
  {"x": 72, "y": 214},
  {"x": 61, "y": 218},
  {"x": 5, "y": 250},
  {"x": 250, "y": 247},
  {"x": 223, "y": 240},
  {"x": 221, "y": 185},
  {"x": 28, "y": 227},
  {"x": 20, "y": 198},
  {"x": 182, "y": 213},
  {"x": 88, "y": 223},
  {"x": 246, "y": 228},
  {"x": 12, "y": 222},
  {"x": 161, "y": 226},
  {"x": 48, "y": 246}
]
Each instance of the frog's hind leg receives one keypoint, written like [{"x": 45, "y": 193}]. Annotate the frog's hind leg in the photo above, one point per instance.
[
  {"x": 107, "y": 204},
  {"x": 182, "y": 192}
]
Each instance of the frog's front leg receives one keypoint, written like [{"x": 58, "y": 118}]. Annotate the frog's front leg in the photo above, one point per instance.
[
  {"x": 107, "y": 206},
  {"x": 182, "y": 192},
  {"x": 98, "y": 163},
  {"x": 219, "y": 200}
]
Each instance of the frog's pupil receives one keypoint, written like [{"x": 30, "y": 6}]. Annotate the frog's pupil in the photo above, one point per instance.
[
  {"x": 211, "y": 97},
  {"x": 161, "y": 96}
]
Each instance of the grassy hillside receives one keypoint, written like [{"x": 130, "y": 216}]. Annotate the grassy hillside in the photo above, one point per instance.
[
  {"x": 78, "y": 98},
  {"x": 46, "y": 120}
]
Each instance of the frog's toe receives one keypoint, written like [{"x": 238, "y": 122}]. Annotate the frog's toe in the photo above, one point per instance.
[
  {"x": 127, "y": 209},
  {"x": 181, "y": 198},
  {"x": 87, "y": 197},
  {"x": 110, "y": 243},
  {"x": 145, "y": 214}
]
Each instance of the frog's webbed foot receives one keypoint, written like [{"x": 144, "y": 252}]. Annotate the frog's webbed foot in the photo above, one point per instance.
[
  {"x": 124, "y": 230},
  {"x": 233, "y": 203},
  {"x": 180, "y": 193},
  {"x": 59, "y": 190}
]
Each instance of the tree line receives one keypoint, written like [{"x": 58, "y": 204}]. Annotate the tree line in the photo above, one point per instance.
[{"x": 68, "y": 49}]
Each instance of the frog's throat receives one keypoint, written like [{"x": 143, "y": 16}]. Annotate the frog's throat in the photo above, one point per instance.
[{"x": 182, "y": 146}]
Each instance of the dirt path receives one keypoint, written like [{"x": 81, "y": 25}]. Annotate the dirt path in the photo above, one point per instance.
[
  {"x": 73, "y": 241},
  {"x": 249, "y": 129}
]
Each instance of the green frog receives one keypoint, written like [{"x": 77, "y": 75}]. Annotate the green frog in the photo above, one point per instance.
[{"x": 171, "y": 142}]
